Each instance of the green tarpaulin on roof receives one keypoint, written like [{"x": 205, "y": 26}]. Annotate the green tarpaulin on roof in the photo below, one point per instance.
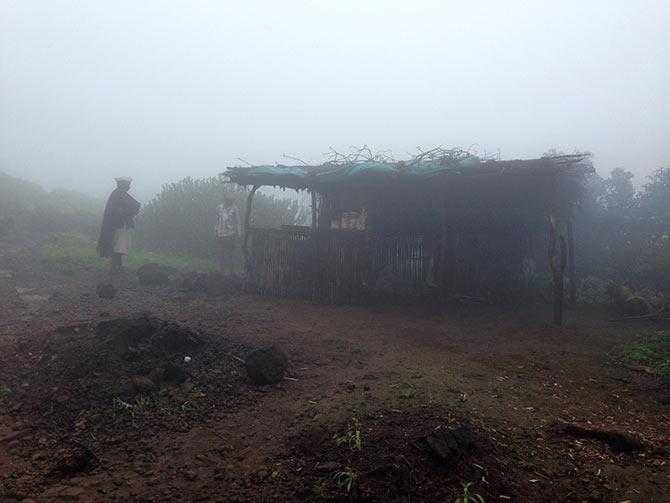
[{"x": 346, "y": 172}]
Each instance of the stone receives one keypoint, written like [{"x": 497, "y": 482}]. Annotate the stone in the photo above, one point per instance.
[
  {"x": 106, "y": 291},
  {"x": 76, "y": 460},
  {"x": 266, "y": 366},
  {"x": 71, "y": 493},
  {"x": 175, "y": 374},
  {"x": 190, "y": 475},
  {"x": 143, "y": 384},
  {"x": 450, "y": 445}
]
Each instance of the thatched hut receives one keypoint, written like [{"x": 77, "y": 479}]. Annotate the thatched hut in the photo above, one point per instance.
[{"x": 456, "y": 224}]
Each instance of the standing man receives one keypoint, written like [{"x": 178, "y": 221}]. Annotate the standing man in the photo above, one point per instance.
[
  {"x": 228, "y": 229},
  {"x": 117, "y": 221}
]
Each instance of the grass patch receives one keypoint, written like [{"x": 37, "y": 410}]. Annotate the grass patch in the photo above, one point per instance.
[
  {"x": 79, "y": 250},
  {"x": 404, "y": 390},
  {"x": 651, "y": 351}
]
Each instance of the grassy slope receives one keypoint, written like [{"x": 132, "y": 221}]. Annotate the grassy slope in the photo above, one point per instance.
[
  {"x": 76, "y": 249},
  {"x": 18, "y": 194}
]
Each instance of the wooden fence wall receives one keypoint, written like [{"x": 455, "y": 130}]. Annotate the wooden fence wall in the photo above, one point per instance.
[{"x": 333, "y": 265}]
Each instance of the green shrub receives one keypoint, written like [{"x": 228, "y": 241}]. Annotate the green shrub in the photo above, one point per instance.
[{"x": 651, "y": 350}]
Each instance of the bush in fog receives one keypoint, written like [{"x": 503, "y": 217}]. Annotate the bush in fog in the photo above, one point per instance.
[
  {"x": 182, "y": 217},
  {"x": 28, "y": 209},
  {"x": 623, "y": 235}
]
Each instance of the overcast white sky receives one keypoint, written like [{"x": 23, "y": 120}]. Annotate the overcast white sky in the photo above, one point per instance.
[{"x": 160, "y": 90}]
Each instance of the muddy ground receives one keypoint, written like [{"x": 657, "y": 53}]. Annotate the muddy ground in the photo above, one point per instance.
[{"x": 73, "y": 426}]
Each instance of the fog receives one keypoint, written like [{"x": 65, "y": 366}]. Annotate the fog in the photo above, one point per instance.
[{"x": 164, "y": 90}]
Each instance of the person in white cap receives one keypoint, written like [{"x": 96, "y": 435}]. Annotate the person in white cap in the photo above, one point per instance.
[
  {"x": 117, "y": 221},
  {"x": 228, "y": 230}
]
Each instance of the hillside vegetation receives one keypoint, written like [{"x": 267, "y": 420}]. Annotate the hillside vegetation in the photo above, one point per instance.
[{"x": 27, "y": 208}]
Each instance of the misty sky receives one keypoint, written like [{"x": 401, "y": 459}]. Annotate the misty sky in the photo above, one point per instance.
[{"x": 161, "y": 90}]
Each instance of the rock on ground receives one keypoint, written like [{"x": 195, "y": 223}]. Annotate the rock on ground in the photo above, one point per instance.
[
  {"x": 175, "y": 374},
  {"x": 143, "y": 384},
  {"x": 266, "y": 366},
  {"x": 450, "y": 445},
  {"x": 106, "y": 291}
]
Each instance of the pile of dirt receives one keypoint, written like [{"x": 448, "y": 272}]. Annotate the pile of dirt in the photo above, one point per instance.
[
  {"x": 85, "y": 367},
  {"x": 145, "y": 334},
  {"x": 429, "y": 455},
  {"x": 87, "y": 388}
]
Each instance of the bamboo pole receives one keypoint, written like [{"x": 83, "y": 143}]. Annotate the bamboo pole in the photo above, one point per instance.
[{"x": 554, "y": 262}]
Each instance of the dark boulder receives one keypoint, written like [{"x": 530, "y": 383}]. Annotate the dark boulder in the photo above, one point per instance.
[
  {"x": 175, "y": 374},
  {"x": 106, "y": 291},
  {"x": 74, "y": 460},
  {"x": 450, "y": 445},
  {"x": 152, "y": 274},
  {"x": 266, "y": 366}
]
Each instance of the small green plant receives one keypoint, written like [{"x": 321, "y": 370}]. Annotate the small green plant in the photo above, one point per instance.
[
  {"x": 405, "y": 390},
  {"x": 652, "y": 350},
  {"x": 352, "y": 437},
  {"x": 469, "y": 497},
  {"x": 120, "y": 405},
  {"x": 319, "y": 491},
  {"x": 345, "y": 479},
  {"x": 142, "y": 402}
]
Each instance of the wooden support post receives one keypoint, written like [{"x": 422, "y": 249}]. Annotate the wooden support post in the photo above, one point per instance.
[
  {"x": 571, "y": 263},
  {"x": 314, "y": 256},
  {"x": 247, "y": 225},
  {"x": 556, "y": 263}
]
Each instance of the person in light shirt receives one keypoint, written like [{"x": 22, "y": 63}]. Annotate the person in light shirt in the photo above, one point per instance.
[{"x": 228, "y": 230}]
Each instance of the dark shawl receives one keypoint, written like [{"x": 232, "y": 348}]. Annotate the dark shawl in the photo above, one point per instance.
[{"x": 119, "y": 213}]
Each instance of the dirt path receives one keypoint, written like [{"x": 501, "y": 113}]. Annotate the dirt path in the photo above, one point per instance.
[{"x": 400, "y": 371}]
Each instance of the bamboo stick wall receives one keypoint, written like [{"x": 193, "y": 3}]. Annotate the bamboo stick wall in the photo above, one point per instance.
[{"x": 331, "y": 265}]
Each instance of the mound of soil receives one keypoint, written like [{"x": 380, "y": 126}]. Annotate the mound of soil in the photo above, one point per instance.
[
  {"x": 84, "y": 390},
  {"x": 147, "y": 334},
  {"x": 428, "y": 454},
  {"x": 81, "y": 368}
]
